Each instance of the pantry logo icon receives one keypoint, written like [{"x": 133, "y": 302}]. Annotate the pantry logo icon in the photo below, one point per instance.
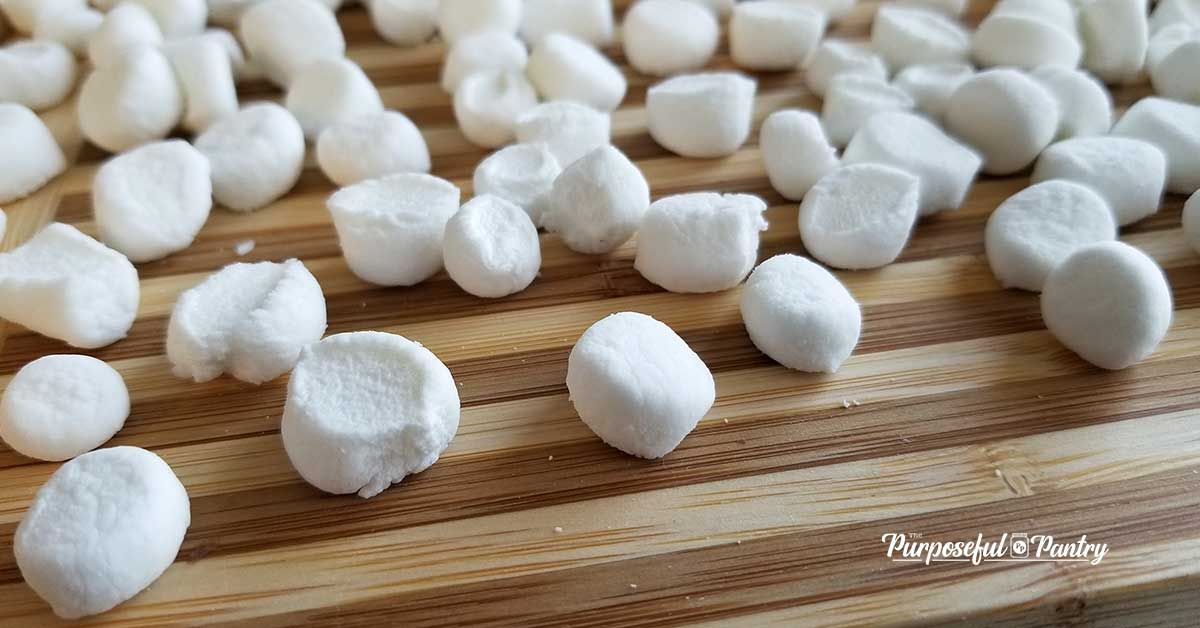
[{"x": 1009, "y": 547}]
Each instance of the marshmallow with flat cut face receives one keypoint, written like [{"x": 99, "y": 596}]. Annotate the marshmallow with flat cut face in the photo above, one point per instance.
[
  {"x": 29, "y": 155},
  {"x": 774, "y": 34},
  {"x": 1129, "y": 174},
  {"x": 1045, "y": 30},
  {"x": 834, "y": 57},
  {"x": 568, "y": 129},
  {"x": 931, "y": 85},
  {"x": 404, "y": 22},
  {"x": 906, "y": 36},
  {"x": 1085, "y": 107},
  {"x": 488, "y": 104},
  {"x": 72, "y": 28},
  {"x": 283, "y": 36},
  {"x": 597, "y": 202},
  {"x": 328, "y": 91},
  {"x": 1115, "y": 36},
  {"x": 795, "y": 152},
  {"x": 663, "y": 37},
  {"x": 483, "y": 50},
  {"x": 1006, "y": 115},
  {"x": 491, "y": 248},
  {"x": 126, "y": 26},
  {"x": 522, "y": 174},
  {"x": 589, "y": 20},
  {"x": 1174, "y": 127},
  {"x": 860, "y": 216},
  {"x": 1191, "y": 220},
  {"x": 854, "y": 99},
  {"x": 1173, "y": 58},
  {"x": 701, "y": 115},
  {"x": 206, "y": 77},
  {"x": 256, "y": 155},
  {"x": 459, "y": 18},
  {"x": 133, "y": 100},
  {"x": 371, "y": 145},
  {"x": 565, "y": 68},
  {"x": 37, "y": 74}
]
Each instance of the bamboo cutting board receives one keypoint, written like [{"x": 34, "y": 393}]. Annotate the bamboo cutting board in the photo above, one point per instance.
[{"x": 958, "y": 415}]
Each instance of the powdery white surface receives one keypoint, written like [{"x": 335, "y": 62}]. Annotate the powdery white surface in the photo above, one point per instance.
[
  {"x": 1191, "y": 221},
  {"x": 931, "y": 85},
  {"x": 906, "y": 36},
  {"x": 1085, "y": 107},
  {"x": 283, "y": 36},
  {"x": 1115, "y": 35},
  {"x": 597, "y": 202},
  {"x": 404, "y": 22},
  {"x": 522, "y": 174},
  {"x": 1037, "y": 228},
  {"x": 328, "y": 91},
  {"x": 29, "y": 154},
  {"x": 662, "y": 37},
  {"x": 72, "y": 28},
  {"x": 37, "y": 74},
  {"x": 1174, "y": 127},
  {"x": 701, "y": 115},
  {"x": 795, "y": 152},
  {"x": 482, "y": 50},
  {"x": 60, "y": 406},
  {"x": 835, "y": 57},
  {"x": 366, "y": 409},
  {"x": 491, "y": 248},
  {"x": 853, "y": 99},
  {"x": 205, "y": 75},
  {"x": 565, "y": 68},
  {"x": 1041, "y": 42},
  {"x": 722, "y": 8},
  {"x": 700, "y": 242},
  {"x": 127, "y": 25},
  {"x": 177, "y": 18},
  {"x": 105, "y": 526},
  {"x": 860, "y": 216},
  {"x": 774, "y": 34},
  {"x": 256, "y": 155},
  {"x": 488, "y": 103},
  {"x": 800, "y": 315},
  {"x": 1006, "y": 115},
  {"x": 568, "y": 129},
  {"x": 371, "y": 145},
  {"x": 131, "y": 100},
  {"x": 588, "y": 20},
  {"x": 1173, "y": 57},
  {"x": 390, "y": 229},
  {"x": 1079, "y": 297},
  {"x": 1129, "y": 174},
  {"x": 638, "y": 385},
  {"x": 459, "y": 18},
  {"x": 153, "y": 200}
]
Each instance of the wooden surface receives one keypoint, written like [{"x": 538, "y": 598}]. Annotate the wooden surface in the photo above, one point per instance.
[{"x": 965, "y": 417}]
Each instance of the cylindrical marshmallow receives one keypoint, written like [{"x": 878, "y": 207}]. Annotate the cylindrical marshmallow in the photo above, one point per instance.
[
  {"x": 853, "y": 99},
  {"x": 458, "y": 18},
  {"x": 774, "y": 34},
  {"x": 24, "y": 15},
  {"x": 1174, "y": 127},
  {"x": 834, "y": 58},
  {"x": 483, "y": 50},
  {"x": 1006, "y": 115},
  {"x": 701, "y": 115},
  {"x": 491, "y": 248},
  {"x": 488, "y": 104},
  {"x": 1173, "y": 57},
  {"x": 565, "y": 68},
  {"x": 371, "y": 145},
  {"x": 522, "y": 174},
  {"x": 133, "y": 100},
  {"x": 177, "y": 18},
  {"x": 1024, "y": 40},
  {"x": 906, "y": 36},
  {"x": 72, "y": 28},
  {"x": 1168, "y": 12},
  {"x": 597, "y": 202},
  {"x": 568, "y": 129},
  {"x": 256, "y": 155},
  {"x": 860, "y": 216},
  {"x": 29, "y": 154},
  {"x": 404, "y": 22},
  {"x": 126, "y": 26},
  {"x": 588, "y": 20},
  {"x": 206, "y": 77},
  {"x": 1115, "y": 35},
  {"x": 328, "y": 91},
  {"x": 795, "y": 152},
  {"x": 37, "y": 74},
  {"x": 282, "y": 36},
  {"x": 1084, "y": 106},
  {"x": 663, "y": 37},
  {"x": 931, "y": 85},
  {"x": 1129, "y": 174}
]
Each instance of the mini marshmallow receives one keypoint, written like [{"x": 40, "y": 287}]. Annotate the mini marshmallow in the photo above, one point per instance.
[
  {"x": 931, "y": 85},
  {"x": 126, "y": 26},
  {"x": 1115, "y": 36},
  {"x": 910, "y": 142},
  {"x": 588, "y": 20},
  {"x": 1129, "y": 174},
  {"x": 491, "y": 248},
  {"x": 949, "y": 7},
  {"x": 833, "y": 9},
  {"x": 71, "y": 28},
  {"x": 60, "y": 406},
  {"x": 853, "y": 99},
  {"x": 1191, "y": 221},
  {"x": 597, "y": 202},
  {"x": 153, "y": 200},
  {"x": 404, "y": 22},
  {"x": 663, "y": 37},
  {"x": 488, "y": 103},
  {"x": 29, "y": 155},
  {"x": 103, "y": 527},
  {"x": 1173, "y": 127},
  {"x": 328, "y": 91},
  {"x": 569, "y": 130},
  {"x": 65, "y": 285},
  {"x": 834, "y": 58},
  {"x": 391, "y": 228},
  {"x": 243, "y": 70},
  {"x": 206, "y": 77},
  {"x": 256, "y": 155},
  {"x": 638, "y": 385},
  {"x": 1024, "y": 40},
  {"x": 1084, "y": 106},
  {"x": 522, "y": 174},
  {"x": 1078, "y": 304},
  {"x": 1168, "y": 12},
  {"x": 1037, "y": 228},
  {"x": 24, "y": 15},
  {"x": 133, "y": 100},
  {"x": 177, "y": 18},
  {"x": 366, "y": 409},
  {"x": 860, "y": 216},
  {"x": 701, "y": 115},
  {"x": 565, "y": 68},
  {"x": 283, "y": 36},
  {"x": 371, "y": 145},
  {"x": 1173, "y": 58},
  {"x": 1006, "y": 115},
  {"x": 774, "y": 35},
  {"x": 800, "y": 315},
  {"x": 906, "y": 36},
  {"x": 37, "y": 74},
  {"x": 701, "y": 242},
  {"x": 483, "y": 50},
  {"x": 458, "y": 18},
  {"x": 795, "y": 152},
  {"x": 248, "y": 320}
]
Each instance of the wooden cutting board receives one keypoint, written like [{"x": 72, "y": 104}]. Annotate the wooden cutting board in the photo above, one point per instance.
[{"x": 958, "y": 416}]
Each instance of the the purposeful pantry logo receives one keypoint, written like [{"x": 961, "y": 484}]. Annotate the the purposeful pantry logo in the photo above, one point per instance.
[{"x": 1019, "y": 547}]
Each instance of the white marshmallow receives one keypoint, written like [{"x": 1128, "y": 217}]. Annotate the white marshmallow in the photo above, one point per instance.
[
  {"x": 701, "y": 115},
  {"x": 371, "y": 145},
  {"x": 29, "y": 155},
  {"x": 1129, "y": 174},
  {"x": 482, "y": 50},
  {"x": 906, "y": 36},
  {"x": 60, "y": 406},
  {"x": 931, "y": 85},
  {"x": 488, "y": 103},
  {"x": 1060, "y": 13},
  {"x": 774, "y": 35},
  {"x": 833, "y": 9},
  {"x": 1085, "y": 107},
  {"x": 1037, "y": 228},
  {"x": 588, "y": 20},
  {"x": 328, "y": 91},
  {"x": 256, "y": 155},
  {"x": 860, "y": 216},
  {"x": 522, "y": 174},
  {"x": 565, "y": 68},
  {"x": 283, "y": 36},
  {"x": 1173, "y": 127},
  {"x": 597, "y": 202},
  {"x": 224, "y": 13},
  {"x": 24, "y": 15},
  {"x": 71, "y": 28},
  {"x": 1078, "y": 304},
  {"x": 664, "y": 37},
  {"x": 701, "y": 242},
  {"x": 126, "y": 26},
  {"x": 177, "y": 18},
  {"x": 638, "y": 385},
  {"x": 404, "y": 22},
  {"x": 1006, "y": 115},
  {"x": 37, "y": 74},
  {"x": 1115, "y": 36},
  {"x": 1173, "y": 58},
  {"x": 391, "y": 228},
  {"x": 206, "y": 77},
  {"x": 1191, "y": 220},
  {"x": 1168, "y": 12},
  {"x": 569, "y": 130},
  {"x": 910, "y": 142},
  {"x": 853, "y": 99},
  {"x": 366, "y": 409},
  {"x": 800, "y": 315},
  {"x": 243, "y": 70},
  {"x": 834, "y": 58},
  {"x": 1025, "y": 41},
  {"x": 105, "y": 526},
  {"x": 795, "y": 152},
  {"x": 249, "y": 320},
  {"x": 491, "y": 248},
  {"x": 65, "y": 285},
  {"x": 458, "y": 18},
  {"x": 949, "y": 7},
  {"x": 133, "y": 100},
  {"x": 720, "y": 8}
]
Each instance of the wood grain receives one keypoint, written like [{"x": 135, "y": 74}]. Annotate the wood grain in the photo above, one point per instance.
[{"x": 958, "y": 415}]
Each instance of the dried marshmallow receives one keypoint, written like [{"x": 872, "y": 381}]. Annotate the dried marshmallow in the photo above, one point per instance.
[
  {"x": 589, "y": 20},
  {"x": 568, "y": 129},
  {"x": 835, "y": 58},
  {"x": 283, "y": 36},
  {"x": 29, "y": 154},
  {"x": 795, "y": 152},
  {"x": 1174, "y": 127},
  {"x": 1005, "y": 115},
  {"x": 565, "y": 68},
  {"x": 1129, "y": 174},
  {"x": 488, "y": 104},
  {"x": 132, "y": 100},
  {"x": 701, "y": 115},
  {"x": 492, "y": 248},
  {"x": 1084, "y": 106},
  {"x": 931, "y": 85},
  {"x": 458, "y": 18},
  {"x": 597, "y": 202},
  {"x": 404, "y": 22},
  {"x": 774, "y": 34},
  {"x": 371, "y": 145},
  {"x": 860, "y": 216},
  {"x": 256, "y": 155},
  {"x": 328, "y": 91},
  {"x": 205, "y": 74},
  {"x": 483, "y": 50},
  {"x": 852, "y": 99},
  {"x": 906, "y": 36},
  {"x": 664, "y": 37},
  {"x": 522, "y": 174},
  {"x": 37, "y": 74}
]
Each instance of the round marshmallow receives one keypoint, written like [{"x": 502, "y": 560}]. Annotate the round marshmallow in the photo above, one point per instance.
[
  {"x": 795, "y": 152},
  {"x": 1024, "y": 40},
  {"x": 1191, "y": 221},
  {"x": 328, "y": 91},
  {"x": 701, "y": 115},
  {"x": 483, "y": 50},
  {"x": 860, "y": 216},
  {"x": 491, "y": 248},
  {"x": 1115, "y": 35},
  {"x": 931, "y": 85},
  {"x": 224, "y": 13},
  {"x": 366, "y": 409},
  {"x": 853, "y": 99},
  {"x": 835, "y": 58},
  {"x": 664, "y": 37},
  {"x": 906, "y": 36},
  {"x": 1129, "y": 174},
  {"x": 126, "y": 26},
  {"x": 488, "y": 104},
  {"x": 391, "y": 228},
  {"x": 1084, "y": 105},
  {"x": 283, "y": 36},
  {"x": 597, "y": 202},
  {"x": 701, "y": 242},
  {"x": 1038, "y": 227},
  {"x": 256, "y": 155},
  {"x": 588, "y": 20},
  {"x": 638, "y": 385},
  {"x": 1078, "y": 304},
  {"x": 569, "y": 130},
  {"x": 3, "y": 224},
  {"x": 774, "y": 34},
  {"x": 458, "y": 18},
  {"x": 1174, "y": 127},
  {"x": 105, "y": 526},
  {"x": 206, "y": 76},
  {"x": 404, "y": 22},
  {"x": 1173, "y": 59},
  {"x": 371, "y": 145},
  {"x": 800, "y": 315},
  {"x": 72, "y": 28},
  {"x": 37, "y": 74},
  {"x": 1006, "y": 115},
  {"x": 133, "y": 100},
  {"x": 522, "y": 174},
  {"x": 565, "y": 68},
  {"x": 29, "y": 154}
]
